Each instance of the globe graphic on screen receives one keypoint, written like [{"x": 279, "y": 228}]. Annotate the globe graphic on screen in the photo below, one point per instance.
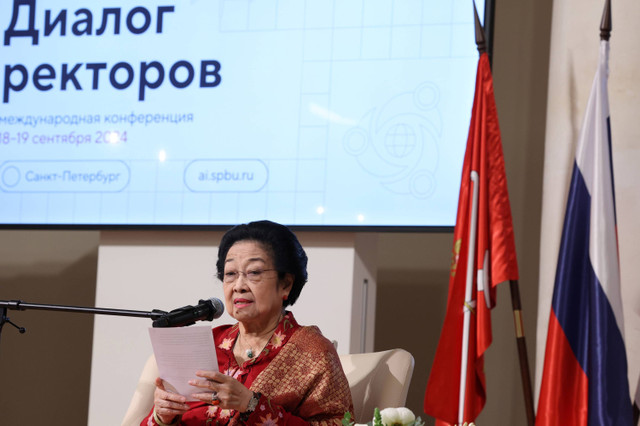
[{"x": 400, "y": 140}]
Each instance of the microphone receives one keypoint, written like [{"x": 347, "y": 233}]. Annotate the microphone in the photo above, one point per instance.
[{"x": 208, "y": 310}]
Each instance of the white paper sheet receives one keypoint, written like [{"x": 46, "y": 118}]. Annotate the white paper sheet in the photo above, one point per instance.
[{"x": 180, "y": 352}]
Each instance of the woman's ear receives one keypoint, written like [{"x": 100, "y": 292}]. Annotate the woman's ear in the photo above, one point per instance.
[{"x": 287, "y": 284}]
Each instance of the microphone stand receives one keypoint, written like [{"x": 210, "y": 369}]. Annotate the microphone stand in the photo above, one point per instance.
[{"x": 21, "y": 306}]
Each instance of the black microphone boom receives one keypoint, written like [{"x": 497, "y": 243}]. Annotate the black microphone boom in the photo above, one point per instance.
[{"x": 205, "y": 310}]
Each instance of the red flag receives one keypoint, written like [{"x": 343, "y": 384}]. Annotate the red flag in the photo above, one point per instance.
[{"x": 483, "y": 235}]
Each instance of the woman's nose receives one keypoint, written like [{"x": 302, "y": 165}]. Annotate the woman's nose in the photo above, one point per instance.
[{"x": 240, "y": 285}]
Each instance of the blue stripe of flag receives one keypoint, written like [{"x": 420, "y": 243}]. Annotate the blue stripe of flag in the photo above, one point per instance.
[{"x": 585, "y": 315}]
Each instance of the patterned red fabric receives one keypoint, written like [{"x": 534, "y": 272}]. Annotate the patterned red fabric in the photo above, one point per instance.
[{"x": 298, "y": 374}]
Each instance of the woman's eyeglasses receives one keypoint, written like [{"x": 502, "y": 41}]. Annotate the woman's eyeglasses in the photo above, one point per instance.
[{"x": 255, "y": 275}]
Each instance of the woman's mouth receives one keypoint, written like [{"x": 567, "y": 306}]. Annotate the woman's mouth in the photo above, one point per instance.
[{"x": 241, "y": 303}]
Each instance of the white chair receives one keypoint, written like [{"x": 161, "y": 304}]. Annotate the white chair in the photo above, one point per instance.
[
  {"x": 376, "y": 379},
  {"x": 142, "y": 399}
]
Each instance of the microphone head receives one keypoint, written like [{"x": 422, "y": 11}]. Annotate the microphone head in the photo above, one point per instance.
[{"x": 218, "y": 307}]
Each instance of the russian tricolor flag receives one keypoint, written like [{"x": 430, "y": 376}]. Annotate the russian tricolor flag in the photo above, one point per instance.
[{"x": 584, "y": 381}]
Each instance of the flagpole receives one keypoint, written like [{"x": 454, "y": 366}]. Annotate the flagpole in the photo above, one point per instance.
[
  {"x": 522, "y": 351},
  {"x": 514, "y": 287},
  {"x": 468, "y": 301}
]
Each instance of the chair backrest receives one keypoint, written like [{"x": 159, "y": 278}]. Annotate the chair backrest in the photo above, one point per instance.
[
  {"x": 377, "y": 379},
  {"x": 142, "y": 399}
]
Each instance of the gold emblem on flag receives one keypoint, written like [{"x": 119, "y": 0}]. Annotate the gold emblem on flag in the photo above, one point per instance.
[{"x": 455, "y": 256}]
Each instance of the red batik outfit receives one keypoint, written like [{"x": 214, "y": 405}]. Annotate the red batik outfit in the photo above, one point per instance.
[{"x": 298, "y": 374}]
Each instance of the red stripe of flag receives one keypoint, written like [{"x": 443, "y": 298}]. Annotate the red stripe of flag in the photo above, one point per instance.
[{"x": 559, "y": 407}]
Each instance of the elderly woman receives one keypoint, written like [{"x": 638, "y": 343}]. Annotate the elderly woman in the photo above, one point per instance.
[{"x": 271, "y": 370}]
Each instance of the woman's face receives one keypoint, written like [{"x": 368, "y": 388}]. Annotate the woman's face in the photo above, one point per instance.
[{"x": 251, "y": 297}]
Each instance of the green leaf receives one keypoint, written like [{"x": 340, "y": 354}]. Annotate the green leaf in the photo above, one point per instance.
[
  {"x": 346, "y": 420},
  {"x": 377, "y": 418}
]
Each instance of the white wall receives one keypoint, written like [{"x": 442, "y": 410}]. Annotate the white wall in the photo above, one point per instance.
[{"x": 167, "y": 270}]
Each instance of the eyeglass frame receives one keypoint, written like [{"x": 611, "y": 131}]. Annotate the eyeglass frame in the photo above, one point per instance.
[{"x": 257, "y": 279}]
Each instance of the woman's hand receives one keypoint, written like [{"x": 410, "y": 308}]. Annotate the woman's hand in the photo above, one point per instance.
[
  {"x": 168, "y": 405},
  {"x": 223, "y": 390}
]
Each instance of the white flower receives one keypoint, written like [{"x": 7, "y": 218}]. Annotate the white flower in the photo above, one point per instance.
[
  {"x": 406, "y": 416},
  {"x": 397, "y": 416}
]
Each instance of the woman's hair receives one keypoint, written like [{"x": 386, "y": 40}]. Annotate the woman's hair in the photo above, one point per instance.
[{"x": 279, "y": 242}]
